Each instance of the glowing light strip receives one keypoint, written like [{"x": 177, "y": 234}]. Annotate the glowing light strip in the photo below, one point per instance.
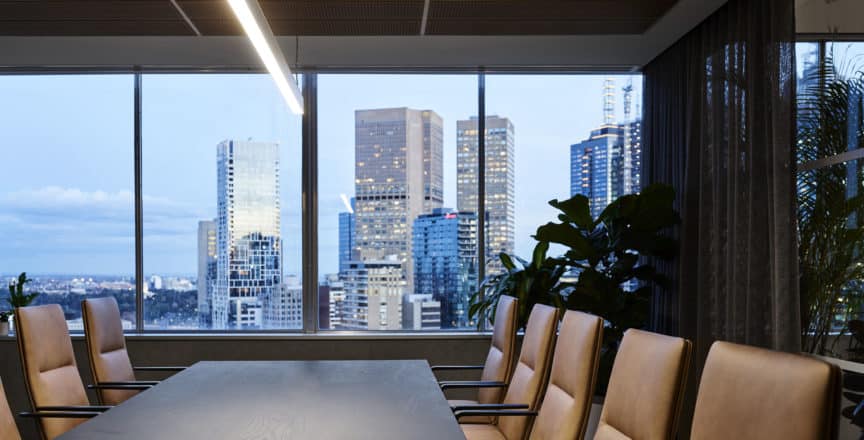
[{"x": 255, "y": 25}]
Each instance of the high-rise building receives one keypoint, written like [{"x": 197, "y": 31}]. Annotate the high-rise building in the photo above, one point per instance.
[
  {"x": 347, "y": 248},
  {"x": 392, "y": 186},
  {"x": 500, "y": 182},
  {"x": 373, "y": 295},
  {"x": 206, "y": 270},
  {"x": 421, "y": 312},
  {"x": 249, "y": 247},
  {"x": 433, "y": 160},
  {"x": 445, "y": 262},
  {"x": 608, "y": 164},
  {"x": 331, "y": 293},
  {"x": 285, "y": 309}
]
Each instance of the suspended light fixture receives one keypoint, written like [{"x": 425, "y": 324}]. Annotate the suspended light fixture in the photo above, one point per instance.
[{"x": 255, "y": 25}]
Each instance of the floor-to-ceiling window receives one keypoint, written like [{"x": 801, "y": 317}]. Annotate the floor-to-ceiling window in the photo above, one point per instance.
[
  {"x": 66, "y": 189},
  {"x": 221, "y": 203}
]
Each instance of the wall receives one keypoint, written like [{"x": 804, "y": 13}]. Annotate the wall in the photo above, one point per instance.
[{"x": 186, "y": 350}]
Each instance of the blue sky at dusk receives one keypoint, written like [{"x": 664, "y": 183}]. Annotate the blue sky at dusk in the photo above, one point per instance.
[{"x": 66, "y": 186}]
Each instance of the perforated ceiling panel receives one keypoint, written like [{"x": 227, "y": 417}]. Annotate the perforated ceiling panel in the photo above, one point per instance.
[{"x": 333, "y": 17}]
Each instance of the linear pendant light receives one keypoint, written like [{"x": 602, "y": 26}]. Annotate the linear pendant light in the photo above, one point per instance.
[{"x": 255, "y": 25}]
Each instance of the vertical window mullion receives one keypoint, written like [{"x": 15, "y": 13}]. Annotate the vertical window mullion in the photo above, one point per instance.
[
  {"x": 139, "y": 221},
  {"x": 310, "y": 203},
  {"x": 481, "y": 177}
]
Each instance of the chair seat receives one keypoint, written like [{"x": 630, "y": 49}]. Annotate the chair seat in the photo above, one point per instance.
[
  {"x": 482, "y": 432},
  {"x": 473, "y": 419}
]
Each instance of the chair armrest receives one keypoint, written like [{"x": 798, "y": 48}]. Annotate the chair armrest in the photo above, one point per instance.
[
  {"x": 490, "y": 406},
  {"x": 456, "y": 367},
  {"x": 471, "y": 384},
  {"x": 61, "y": 415},
  {"x": 159, "y": 368},
  {"x": 498, "y": 413},
  {"x": 130, "y": 385},
  {"x": 75, "y": 408}
]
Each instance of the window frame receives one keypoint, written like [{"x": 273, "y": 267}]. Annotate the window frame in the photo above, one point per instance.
[{"x": 309, "y": 188}]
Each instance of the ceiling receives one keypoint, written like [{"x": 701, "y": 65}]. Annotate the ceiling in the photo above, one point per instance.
[{"x": 332, "y": 17}]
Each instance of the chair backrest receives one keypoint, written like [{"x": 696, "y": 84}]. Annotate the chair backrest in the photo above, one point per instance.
[
  {"x": 499, "y": 361},
  {"x": 531, "y": 374},
  {"x": 50, "y": 371},
  {"x": 106, "y": 347},
  {"x": 567, "y": 402},
  {"x": 644, "y": 396},
  {"x": 749, "y": 392},
  {"x": 8, "y": 430}
]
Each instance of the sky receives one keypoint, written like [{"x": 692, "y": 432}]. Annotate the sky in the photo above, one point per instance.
[{"x": 66, "y": 186}]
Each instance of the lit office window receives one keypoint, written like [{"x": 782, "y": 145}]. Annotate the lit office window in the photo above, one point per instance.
[
  {"x": 551, "y": 137},
  {"x": 66, "y": 189},
  {"x": 221, "y": 199},
  {"x": 397, "y": 245}
]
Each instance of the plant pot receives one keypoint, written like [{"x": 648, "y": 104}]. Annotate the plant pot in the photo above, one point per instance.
[{"x": 4, "y": 328}]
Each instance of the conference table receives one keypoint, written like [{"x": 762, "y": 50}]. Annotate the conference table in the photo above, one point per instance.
[{"x": 321, "y": 400}]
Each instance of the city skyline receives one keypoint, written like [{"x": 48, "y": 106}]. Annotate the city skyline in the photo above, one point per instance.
[{"x": 185, "y": 115}]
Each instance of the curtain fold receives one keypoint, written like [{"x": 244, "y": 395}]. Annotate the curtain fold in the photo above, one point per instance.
[{"x": 720, "y": 127}]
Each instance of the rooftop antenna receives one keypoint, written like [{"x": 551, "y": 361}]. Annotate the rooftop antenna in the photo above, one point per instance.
[{"x": 609, "y": 101}]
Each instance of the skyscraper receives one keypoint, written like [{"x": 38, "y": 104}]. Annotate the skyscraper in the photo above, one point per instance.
[
  {"x": 392, "y": 185},
  {"x": 433, "y": 160},
  {"x": 206, "y": 270},
  {"x": 608, "y": 164},
  {"x": 500, "y": 182},
  {"x": 284, "y": 308},
  {"x": 373, "y": 295},
  {"x": 347, "y": 248},
  {"x": 445, "y": 262},
  {"x": 249, "y": 247}
]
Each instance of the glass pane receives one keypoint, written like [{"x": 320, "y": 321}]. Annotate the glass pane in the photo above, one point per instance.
[
  {"x": 396, "y": 251},
  {"x": 221, "y": 184},
  {"x": 831, "y": 233},
  {"x": 551, "y": 137},
  {"x": 67, "y": 213}
]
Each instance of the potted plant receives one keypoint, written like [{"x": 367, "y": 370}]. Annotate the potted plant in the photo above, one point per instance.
[
  {"x": 4, "y": 323},
  {"x": 606, "y": 270},
  {"x": 830, "y": 205},
  {"x": 17, "y": 296}
]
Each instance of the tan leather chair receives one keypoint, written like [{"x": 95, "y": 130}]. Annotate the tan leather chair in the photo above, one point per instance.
[
  {"x": 56, "y": 392},
  {"x": 644, "y": 397},
  {"x": 499, "y": 360},
  {"x": 567, "y": 402},
  {"x": 753, "y": 393},
  {"x": 113, "y": 374},
  {"x": 527, "y": 383},
  {"x": 8, "y": 429}
]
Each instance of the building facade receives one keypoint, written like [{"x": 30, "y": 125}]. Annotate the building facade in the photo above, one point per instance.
[
  {"x": 421, "y": 312},
  {"x": 392, "y": 185},
  {"x": 206, "y": 271},
  {"x": 500, "y": 182},
  {"x": 248, "y": 235},
  {"x": 347, "y": 248},
  {"x": 373, "y": 295},
  {"x": 445, "y": 262}
]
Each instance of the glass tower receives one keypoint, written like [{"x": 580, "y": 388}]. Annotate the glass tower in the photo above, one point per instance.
[
  {"x": 445, "y": 262},
  {"x": 249, "y": 248},
  {"x": 347, "y": 249}
]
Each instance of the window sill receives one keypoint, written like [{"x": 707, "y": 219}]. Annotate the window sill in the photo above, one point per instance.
[{"x": 324, "y": 336}]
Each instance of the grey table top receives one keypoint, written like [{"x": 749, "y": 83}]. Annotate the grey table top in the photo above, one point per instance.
[{"x": 321, "y": 400}]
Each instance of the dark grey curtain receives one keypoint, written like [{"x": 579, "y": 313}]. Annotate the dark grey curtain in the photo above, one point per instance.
[{"x": 719, "y": 127}]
